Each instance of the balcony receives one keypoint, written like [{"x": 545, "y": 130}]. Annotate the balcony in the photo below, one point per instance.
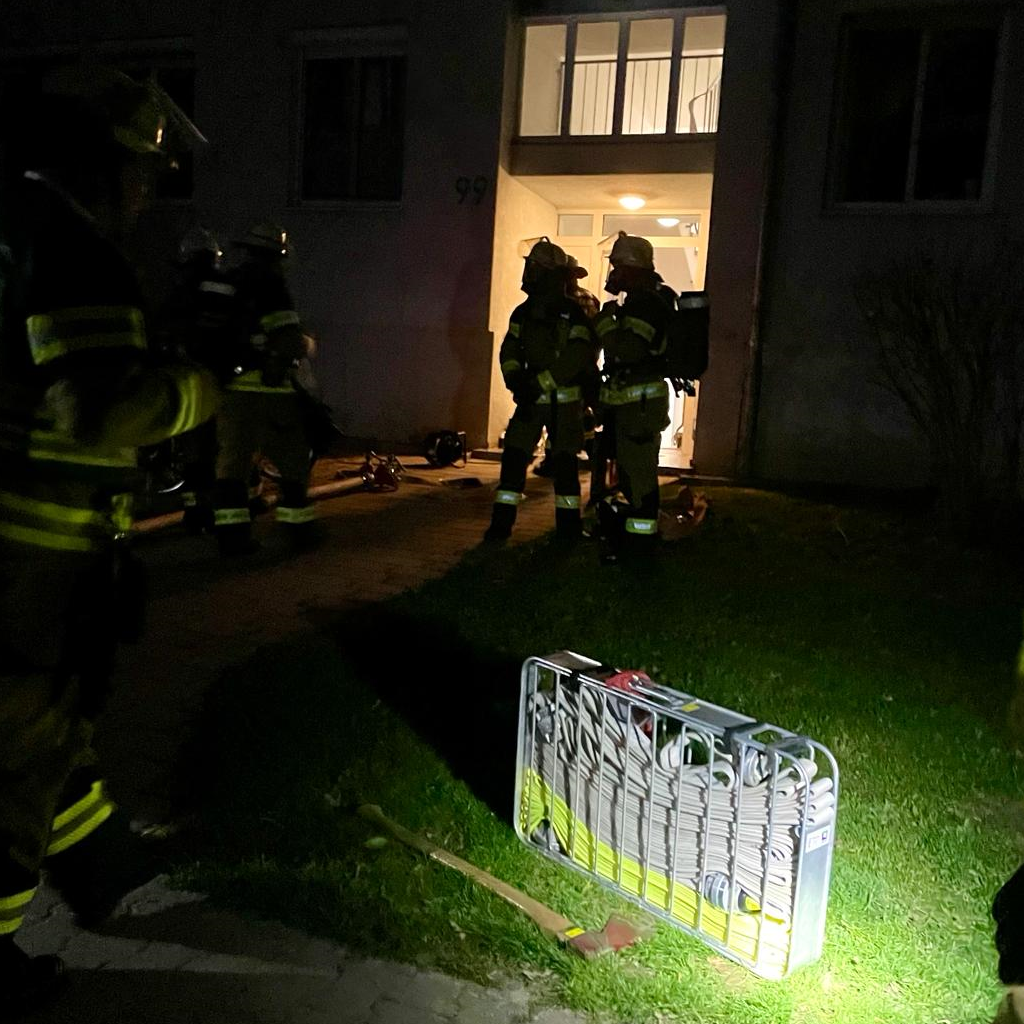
[{"x": 622, "y": 76}]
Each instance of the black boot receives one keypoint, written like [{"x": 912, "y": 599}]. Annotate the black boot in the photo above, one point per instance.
[
  {"x": 568, "y": 525},
  {"x": 503, "y": 518},
  {"x": 26, "y": 982},
  {"x": 95, "y": 874}
]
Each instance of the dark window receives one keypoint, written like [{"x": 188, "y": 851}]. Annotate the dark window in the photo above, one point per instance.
[
  {"x": 354, "y": 122},
  {"x": 915, "y": 110}
]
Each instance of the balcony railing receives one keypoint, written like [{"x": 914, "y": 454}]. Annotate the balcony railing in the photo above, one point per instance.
[{"x": 645, "y": 103}]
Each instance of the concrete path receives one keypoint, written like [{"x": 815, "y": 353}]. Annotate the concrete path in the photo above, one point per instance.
[{"x": 170, "y": 957}]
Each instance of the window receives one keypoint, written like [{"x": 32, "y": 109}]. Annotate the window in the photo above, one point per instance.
[
  {"x": 637, "y": 75},
  {"x": 915, "y": 108},
  {"x": 353, "y": 116}
]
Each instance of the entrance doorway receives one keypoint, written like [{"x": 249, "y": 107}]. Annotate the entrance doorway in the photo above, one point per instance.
[{"x": 582, "y": 214}]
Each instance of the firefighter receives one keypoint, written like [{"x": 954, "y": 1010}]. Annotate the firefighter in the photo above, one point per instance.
[
  {"x": 545, "y": 357},
  {"x": 79, "y": 393},
  {"x": 588, "y": 302},
  {"x": 199, "y": 322},
  {"x": 262, "y": 413},
  {"x": 634, "y": 396}
]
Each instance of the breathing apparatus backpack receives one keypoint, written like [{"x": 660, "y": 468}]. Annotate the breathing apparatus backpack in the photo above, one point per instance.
[{"x": 686, "y": 348}]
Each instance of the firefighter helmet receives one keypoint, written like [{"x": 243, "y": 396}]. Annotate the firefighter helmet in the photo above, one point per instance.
[
  {"x": 575, "y": 270},
  {"x": 443, "y": 447},
  {"x": 198, "y": 241},
  {"x": 266, "y": 235},
  {"x": 543, "y": 252},
  {"x": 141, "y": 115},
  {"x": 632, "y": 251}
]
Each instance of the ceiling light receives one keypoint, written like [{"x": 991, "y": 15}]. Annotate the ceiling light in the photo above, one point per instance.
[
  {"x": 668, "y": 222},
  {"x": 632, "y": 202}
]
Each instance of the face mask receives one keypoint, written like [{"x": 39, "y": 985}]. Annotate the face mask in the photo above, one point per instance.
[{"x": 616, "y": 281}]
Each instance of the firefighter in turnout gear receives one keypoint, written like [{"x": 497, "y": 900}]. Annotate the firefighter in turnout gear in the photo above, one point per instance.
[
  {"x": 634, "y": 398},
  {"x": 545, "y": 358},
  {"x": 80, "y": 391},
  {"x": 588, "y": 302},
  {"x": 262, "y": 413},
  {"x": 200, "y": 322}
]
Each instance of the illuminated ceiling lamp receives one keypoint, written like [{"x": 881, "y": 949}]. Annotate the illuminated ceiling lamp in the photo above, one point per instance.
[
  {"x": 632, "y": 202},
  {"x": 668, "y": 222}
]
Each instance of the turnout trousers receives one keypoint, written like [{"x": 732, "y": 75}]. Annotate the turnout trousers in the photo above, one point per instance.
[
  {"x": 57, "y": 647},
  {"x": 261, "y": 423},
  {"x": 640, "y": 414},
  {"x": 564, "y": 421}
]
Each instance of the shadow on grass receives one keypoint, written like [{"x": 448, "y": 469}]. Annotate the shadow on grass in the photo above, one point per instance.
[{"x": 459, "y": 696}]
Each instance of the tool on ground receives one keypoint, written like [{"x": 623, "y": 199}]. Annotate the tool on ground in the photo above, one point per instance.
[
  {"x": 718, "y": 823},
  {"x": 616, "y": 934}
]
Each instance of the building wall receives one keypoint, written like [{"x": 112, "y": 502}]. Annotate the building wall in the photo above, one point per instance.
[
  {"x": 398, "y": 294},
  {"x": 820, "y": 414}
]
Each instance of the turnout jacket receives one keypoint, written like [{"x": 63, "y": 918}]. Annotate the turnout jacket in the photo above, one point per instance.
[
  {"x": 79, "y": 389},
  {"x": 274, "y": 341},
  {"x": 634, "y": 336},
  {"x": 548, "y": 352}
]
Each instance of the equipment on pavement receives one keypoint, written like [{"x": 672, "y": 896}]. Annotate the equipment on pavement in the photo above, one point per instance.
[
  {"x": 721, "y": 825},
  {"x": 443, "y": 447},
  {"x": 616, "y": 934}
]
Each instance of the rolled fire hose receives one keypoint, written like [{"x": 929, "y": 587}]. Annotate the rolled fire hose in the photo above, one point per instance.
[{"x": 689, "y": 822}]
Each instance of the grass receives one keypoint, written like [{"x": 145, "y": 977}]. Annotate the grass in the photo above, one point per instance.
[{"x": 846, "y": 624}]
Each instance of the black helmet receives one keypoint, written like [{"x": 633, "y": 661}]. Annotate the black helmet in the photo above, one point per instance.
[{"x": 443, "y": 447}]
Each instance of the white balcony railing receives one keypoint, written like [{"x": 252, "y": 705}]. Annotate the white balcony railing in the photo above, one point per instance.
[{"x": 645, "y": 102}]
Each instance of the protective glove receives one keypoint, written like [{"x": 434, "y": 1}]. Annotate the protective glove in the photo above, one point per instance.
[{"x": 527, "y": 392}]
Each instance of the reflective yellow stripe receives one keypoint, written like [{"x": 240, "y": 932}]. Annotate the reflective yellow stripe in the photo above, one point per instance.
[
  {"x": 63, "y": 331},
  {"x": 507, "y": 498},
  {"x": 509, "y": 365},
  {"x": 12, "y": 910},
  {"x": 122, "y": 508},
  {"x": 285, "y": 514},
  {"x": 567, "y": 501},
  {"x": 49, "y": 446},
  {"x": 217, "y": 287},
  {"x": 192, "y": 409},
  {"x": 250, "y": 381},
  {"x": 642, "y": 526},
  {"x": 513, "y": 329},
  {"x": 94, "y": 796},
  {"x": 611, "y": 395},
  {"x": 546, "y": 381},
  {"x": 605, "y": 324},
  {"x": 45, "y": 539},
  {"x": 282, "y": 318},
  {"x": 80, "y": 819},
  {"x": 51, "y": 510},
  {"x": 641, "y": 327},
  {"x": 579, "y": 331},
  {"x": 230, "y": 516},
  {"x": 562, "y": 396}
]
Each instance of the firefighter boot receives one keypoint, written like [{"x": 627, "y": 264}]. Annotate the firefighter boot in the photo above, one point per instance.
[
  {"x": 503, "y": 518},
  {"x": 95, "y": 874},
  {"x": 568, "y": 525},
  {"x": 26, "y": 981}
]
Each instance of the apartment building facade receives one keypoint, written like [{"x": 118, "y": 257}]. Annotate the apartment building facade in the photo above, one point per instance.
[{"x": 411, "y": 148}]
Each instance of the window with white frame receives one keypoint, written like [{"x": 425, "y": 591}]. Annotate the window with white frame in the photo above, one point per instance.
[
  {"x": 651, "y": 74},
  {"x": 353, "y": 97},
  {"x": 915, "y": 107}
]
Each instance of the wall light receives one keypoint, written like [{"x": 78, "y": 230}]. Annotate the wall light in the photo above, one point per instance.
[
  {"x": 668, "y": 222},
  {"x": 632, "y": 202}
]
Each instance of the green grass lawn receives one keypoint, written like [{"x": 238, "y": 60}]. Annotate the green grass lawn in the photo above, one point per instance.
[{"x": 846, "y": 624}]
